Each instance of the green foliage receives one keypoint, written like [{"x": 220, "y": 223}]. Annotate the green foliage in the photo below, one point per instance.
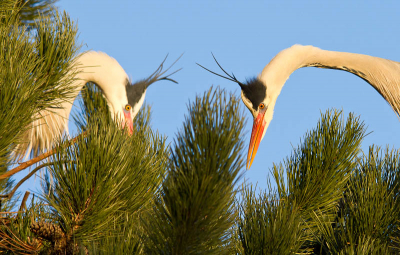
[
  {"x": 122, "y": 239},
  {"x": 15, "y": 234},
  {"x": 318, "y": 170},
  {"x": 317, "y": 173},
  {"x": 103, "y": 176},
  {"x": 92, "y": 105},
  {"x": 373, "y": 207},
  {"x": 33, "y": 10},
  {"x": 268, "y": 225},
  {"x": 195, "y": 211},
  {"x": 106, "y": 196},
  {"x": 28, "y": 11},
  {"x": 34, "y": 75},
  {"x": 369, "y": 213},
  {"x": 112, "y": 193}
]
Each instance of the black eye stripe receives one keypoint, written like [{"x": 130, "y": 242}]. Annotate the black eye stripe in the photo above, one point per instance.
[
  {"x": 135, "y": 92},
  {"x": 255, "y": 91}
]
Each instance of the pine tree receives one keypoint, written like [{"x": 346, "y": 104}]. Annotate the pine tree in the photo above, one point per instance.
[
  {"x": 330, "y": 198},
  {"x": 110, "y": 193},
  {"x": 102, "y": 185},
  {"x": 195, "y": 211},
  {"x": 34, "y": 75},
  {"x": 368, "y": 218}
]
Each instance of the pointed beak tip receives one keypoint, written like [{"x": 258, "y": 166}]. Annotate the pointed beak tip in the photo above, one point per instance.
[
  {"x": 250, "y": 160},
  {"x": 256, "y": 136},
  {"x": 130, "y": 130}
]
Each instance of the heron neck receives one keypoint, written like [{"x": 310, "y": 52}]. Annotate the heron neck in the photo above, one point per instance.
[
  {"x": 382, "y": 74},
  {"x": 106, "y": 73},
  {"x": 287, "y": 61}
]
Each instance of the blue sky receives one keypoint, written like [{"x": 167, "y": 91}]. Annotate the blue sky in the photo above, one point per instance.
[{"x": 245, "y": 36}]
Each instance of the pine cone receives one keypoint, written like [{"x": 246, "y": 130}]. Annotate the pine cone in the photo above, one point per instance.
[{"x": 47, "y": 231}]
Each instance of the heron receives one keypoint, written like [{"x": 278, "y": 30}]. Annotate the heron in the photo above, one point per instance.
[
  {"x": 259, "y": 94},
  {"x": 123, "y": 97}
]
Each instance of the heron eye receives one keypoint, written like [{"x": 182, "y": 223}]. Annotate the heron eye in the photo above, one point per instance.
[
  {"x": 128, "y": 107},
  {"x": 261, "y": 106}
]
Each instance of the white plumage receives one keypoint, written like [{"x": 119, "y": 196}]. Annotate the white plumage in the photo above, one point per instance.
[
  {"x": 260, "y": 94},
  {"x": 110, "y": 77}
]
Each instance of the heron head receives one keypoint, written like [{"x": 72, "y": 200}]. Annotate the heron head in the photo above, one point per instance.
[
  {"x": 124, "y": 98},
  {"x": 136, "y": 92},
  {"x": 254, "y": 96},
  {"x": 121, "y": 109},
  {"x": 127, "y": 105},
  {"x": 128, "y": 118}
]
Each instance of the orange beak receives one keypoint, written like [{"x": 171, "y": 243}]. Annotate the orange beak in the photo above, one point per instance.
[
  {"x": 256, "y": 134},
  {"x": 128, "y": 122}
]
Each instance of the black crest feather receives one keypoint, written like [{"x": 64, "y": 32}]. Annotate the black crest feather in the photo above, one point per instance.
[
  {"x": 253, "y": 89},
  {"x": 136, "y": 90}
]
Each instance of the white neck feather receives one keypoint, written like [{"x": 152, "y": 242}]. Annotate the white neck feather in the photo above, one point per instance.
[
  {"x": 105, "y": 72},
  {"x": 382, "y": 74}
]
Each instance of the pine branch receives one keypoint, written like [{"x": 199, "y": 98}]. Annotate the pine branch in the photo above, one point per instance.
[
  {"x": 101, "y": 176},
  {"x": 29, "y": 12},
  {"x": 39, "y": 158},
  {"x": 11, "y": 243},
  {"x": 368, "y": 217},
  {"x": 268, "y": 225},
  {"x": 317, "y": 173},
  {"x": 23, "y": 203},
  {"x": 318, "y": 170},
  {"x": 11, "y": 194},
  {"x": 195, "y": 210},
  {"x": 15, "y": 234},
  {"x": 36, "y": 72}
]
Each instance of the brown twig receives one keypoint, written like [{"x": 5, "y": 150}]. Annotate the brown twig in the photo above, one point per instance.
[
  {"x": 9, "y": 195},
  {"x": 23, "y": 203},
  {"x": 16, "y": 211},
  {"x": 11, "y": 242},
  {"x": 28, "y": 163}
]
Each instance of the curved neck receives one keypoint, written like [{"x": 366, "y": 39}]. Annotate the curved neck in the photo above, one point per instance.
[
  {"x": 381, "y": 73},
  {"x": 105, "y": 72},
  {"x": 278, "y": 70}
]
